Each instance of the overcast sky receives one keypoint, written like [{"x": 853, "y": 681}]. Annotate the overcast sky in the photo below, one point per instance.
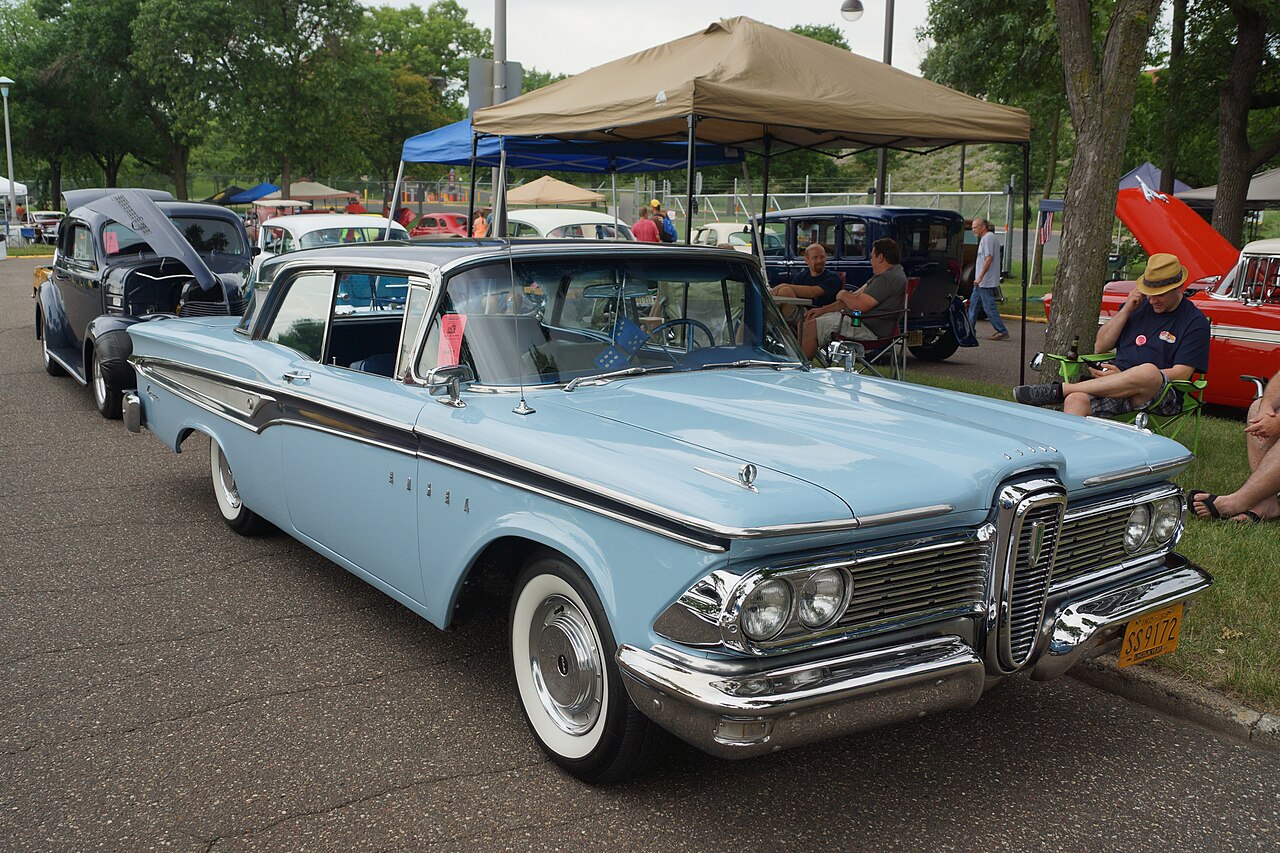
[{"x": 570, "y": 36}]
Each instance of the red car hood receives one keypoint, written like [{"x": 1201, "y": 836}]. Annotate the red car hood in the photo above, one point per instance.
[{"x": 1162, "y": 223}]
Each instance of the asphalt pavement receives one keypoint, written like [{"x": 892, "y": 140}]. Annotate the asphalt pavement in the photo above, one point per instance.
[{"x": 167, "y": 683}]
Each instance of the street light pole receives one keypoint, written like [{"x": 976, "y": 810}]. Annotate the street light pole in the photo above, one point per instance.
[
  {"x": 499, "y": 90},
  {"x": 5, "y": 83},
  {"x": 852, "y": 11}
]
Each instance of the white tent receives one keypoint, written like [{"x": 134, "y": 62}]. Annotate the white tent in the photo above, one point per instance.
[{"x": 18, "y": 189}]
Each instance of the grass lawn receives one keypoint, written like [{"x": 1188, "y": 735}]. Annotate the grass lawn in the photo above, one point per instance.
[
  {"x": 26, "y": 251},
  {"x": 1231, "y": 637}
]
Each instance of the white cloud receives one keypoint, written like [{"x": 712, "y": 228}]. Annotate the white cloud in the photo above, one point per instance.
[{"x": 570, "y": 36}]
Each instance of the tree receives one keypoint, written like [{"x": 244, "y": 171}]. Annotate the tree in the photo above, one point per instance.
[
  {"x": 1101, "y": 76},
  {"x": 435, "y": 43},
  {"x": 825, "y": 33}
]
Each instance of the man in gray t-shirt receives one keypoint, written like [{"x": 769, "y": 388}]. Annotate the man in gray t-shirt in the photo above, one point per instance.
[
  {"x": 986, "y": 280},
  {"x": 880, "y": 300}
]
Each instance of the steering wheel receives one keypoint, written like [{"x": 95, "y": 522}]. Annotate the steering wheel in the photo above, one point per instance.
[{"x": 687, "y": 321}]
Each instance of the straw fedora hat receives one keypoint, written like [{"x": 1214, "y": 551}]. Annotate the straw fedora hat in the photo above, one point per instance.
[{"x": 1164, "y": 272}]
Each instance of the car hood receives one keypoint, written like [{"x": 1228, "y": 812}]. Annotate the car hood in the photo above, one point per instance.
[
  {"x": 1162, "y": 223},
  {"x": 879, "y": 446}
]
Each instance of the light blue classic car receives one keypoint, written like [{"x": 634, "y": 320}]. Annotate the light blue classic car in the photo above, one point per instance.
[{"x": 697, "y": 531}]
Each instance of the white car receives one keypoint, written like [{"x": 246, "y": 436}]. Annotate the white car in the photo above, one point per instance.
[
  {"x": 567, "y": 223},
  {"x": 283, "y": 234},
  {"x": 46, "y": 224},
  {"x": 715, "y": 233}
]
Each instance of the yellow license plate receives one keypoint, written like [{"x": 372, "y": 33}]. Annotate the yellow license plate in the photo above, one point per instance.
[
  {"x": 1152, "y": 635},
  {"x": 915, "y": 338}
]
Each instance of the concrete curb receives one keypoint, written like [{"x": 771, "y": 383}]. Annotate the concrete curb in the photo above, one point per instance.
[
  {"x": 1018, "y": 317},
  {"x": 1178, "y": 697}
]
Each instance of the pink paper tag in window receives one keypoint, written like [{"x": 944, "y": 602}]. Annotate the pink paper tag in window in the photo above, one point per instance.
[
  {"x": 112, "y": 241},
  {"x": 451, "y": 329}
]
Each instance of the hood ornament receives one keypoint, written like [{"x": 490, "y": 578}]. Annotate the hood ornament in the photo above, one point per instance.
[
  {"x": 747, "y": 475},
  {"x": 745, "y": 480}
]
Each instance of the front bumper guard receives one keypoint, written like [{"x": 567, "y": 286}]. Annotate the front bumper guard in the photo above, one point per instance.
[{"x": 740, "y": 709}]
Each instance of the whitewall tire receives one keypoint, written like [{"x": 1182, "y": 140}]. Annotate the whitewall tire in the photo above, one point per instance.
[{"x": 238, "y": 517}]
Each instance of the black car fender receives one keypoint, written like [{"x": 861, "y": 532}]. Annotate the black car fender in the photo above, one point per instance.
[{"x": 51, "y": 323}]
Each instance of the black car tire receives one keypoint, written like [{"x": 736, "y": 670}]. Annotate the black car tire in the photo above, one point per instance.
[
  {"x": 108, "y": 397},
  {"x": 238, "y": 517},
  {"x": 51, "y": 367},
  {"x": 937, "y": 346},
  {"x": 582, "y": 718}
]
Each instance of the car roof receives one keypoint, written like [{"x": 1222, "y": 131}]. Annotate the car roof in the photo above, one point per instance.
[
  {"x": 1270, "y": 246},
  {"x": 545, "y": 218},
  {"x": 870, "y": 211},
  {"x": 305, "y": 223}
]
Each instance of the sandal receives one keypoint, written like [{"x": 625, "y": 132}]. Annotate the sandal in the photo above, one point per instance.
[
  {"x": 1194, "y": 497},
  {"x": 1250, "y": 517}
]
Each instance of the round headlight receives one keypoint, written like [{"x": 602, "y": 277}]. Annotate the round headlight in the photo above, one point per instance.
[
  {"x": 1165, "y": 521},
  {"x": 820, "y": 597},
  {"x": 1137, "y": 528},
  {"x": 765, "y": 609}
]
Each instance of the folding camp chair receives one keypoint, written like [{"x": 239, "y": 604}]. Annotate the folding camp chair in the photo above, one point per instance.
[
  {"x": 890, "y": 351},
  {"x": 1192, "y": 391}
]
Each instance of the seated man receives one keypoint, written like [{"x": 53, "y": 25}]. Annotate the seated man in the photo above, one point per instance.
[
  {"x": 1256, "y": 499},
  {"x": 816, "y": 283},
  {"x": 1157, "y": 335},
  {"x": 880, "y": 300}
]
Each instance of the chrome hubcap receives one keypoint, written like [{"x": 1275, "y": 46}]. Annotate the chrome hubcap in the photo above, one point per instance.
[
  {"x": 567, "y": 670},
  {"x": 99, "y": 383},
  {"x": 227, "y": 482}
]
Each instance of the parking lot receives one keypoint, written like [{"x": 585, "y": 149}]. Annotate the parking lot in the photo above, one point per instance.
[{"x": 167, "y": 683}]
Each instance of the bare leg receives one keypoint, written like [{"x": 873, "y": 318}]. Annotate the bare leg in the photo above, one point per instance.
[
  {"x": 1257, "y": 494},
  {"x": 1139, "y": 384},
  {"x": 1077, "y": 404},
  {"x": 809, "y": 339}
]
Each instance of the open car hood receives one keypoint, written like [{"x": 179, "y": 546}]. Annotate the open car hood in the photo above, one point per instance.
[
  {"x": 1162, "y": 223},
  {"x": 136, "y": 210}
]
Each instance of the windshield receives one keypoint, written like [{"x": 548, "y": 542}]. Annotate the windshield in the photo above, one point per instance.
[
  {"x": 205, "y": 234},
  {"x": 335, "y": 236},
  {"x": 564, "y": 320}
]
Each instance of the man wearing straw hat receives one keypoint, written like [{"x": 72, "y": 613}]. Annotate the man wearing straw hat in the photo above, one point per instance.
[{"x": 1157, "y": 335}]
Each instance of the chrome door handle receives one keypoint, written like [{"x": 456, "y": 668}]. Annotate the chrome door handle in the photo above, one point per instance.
[{"x": 296, "y": 376}]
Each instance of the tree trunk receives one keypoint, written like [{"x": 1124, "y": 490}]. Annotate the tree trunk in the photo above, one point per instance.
[
  {"x": 286, "y": 176},
  {"x": 1050, "y": 172},
  {"x": 1100, "y": 89},
  {"x": 178, "y": 155},
  {"x": 55, "y": 183},
  {"x": 1172, "y": 115},
  {"x": 111, "y": 169}
]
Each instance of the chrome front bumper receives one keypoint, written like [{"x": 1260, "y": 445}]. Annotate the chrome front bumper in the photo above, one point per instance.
[{"x": 744, "y": 708}]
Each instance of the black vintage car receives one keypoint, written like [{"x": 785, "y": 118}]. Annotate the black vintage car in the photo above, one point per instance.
[{"x": 126, "y": 256}]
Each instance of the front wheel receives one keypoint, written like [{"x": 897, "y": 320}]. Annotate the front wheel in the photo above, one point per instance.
[
  {"x": 569, "y": 686},
  {"x": 109, "y": 398},
  {"x": 238, "y": 517},
  {"x": 937, "y": 345}
]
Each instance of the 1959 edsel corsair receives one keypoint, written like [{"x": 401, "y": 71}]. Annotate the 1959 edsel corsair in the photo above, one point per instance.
[{"x": 697, "y": 530}]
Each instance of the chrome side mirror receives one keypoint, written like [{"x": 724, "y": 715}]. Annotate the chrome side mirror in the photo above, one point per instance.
[
  {"x": 448, "y": 381},
  {"x": 844, "y": 352},
  {"x": 1037, "y": 361}
]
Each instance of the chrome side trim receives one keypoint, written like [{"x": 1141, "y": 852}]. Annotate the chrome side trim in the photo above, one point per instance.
[
  {"x": 1140, "y": 471},
  {"x": 915, "y": 514},
  {"x": 1270, "y": 337}
]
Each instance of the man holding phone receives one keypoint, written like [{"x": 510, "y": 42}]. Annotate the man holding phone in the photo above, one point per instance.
[{"x": 1157, "y": 335}]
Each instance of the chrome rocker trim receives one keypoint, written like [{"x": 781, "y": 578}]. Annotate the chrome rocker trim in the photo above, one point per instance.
[{"x": 742, "y": 708}]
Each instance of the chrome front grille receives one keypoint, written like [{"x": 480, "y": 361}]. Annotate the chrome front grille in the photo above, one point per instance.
[
  {"x": 1033, "y": 565},
  {"x": 212, "y": 309},
  {"x": 916, "y": 585},
  {"x": 1093, "y": 536}
]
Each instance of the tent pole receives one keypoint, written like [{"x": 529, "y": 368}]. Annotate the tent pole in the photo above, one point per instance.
[
  {"x": 764, "y": 202},
  {"x": 688, "y": 179},
  {"x": 471, "y": 193},
  {"x": 1026, "y": 225},
  {"x": 395, "y": 197},
  {"x": 613, "y": 178}
]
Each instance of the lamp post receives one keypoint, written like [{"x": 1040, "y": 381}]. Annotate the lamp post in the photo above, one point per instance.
[
  {"x": 5, "y": 83},
  {"x": 851, "y": 10}
]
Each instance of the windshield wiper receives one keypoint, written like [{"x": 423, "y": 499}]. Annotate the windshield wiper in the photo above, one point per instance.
[
  {"x": 752, "y": 362},
  {"x": 617, "y": 374}
]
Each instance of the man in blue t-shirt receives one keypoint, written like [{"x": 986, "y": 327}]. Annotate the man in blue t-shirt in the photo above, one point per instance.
[
  {"x": 816, "y": 282},
  {"x": 1157, "y": 334}
]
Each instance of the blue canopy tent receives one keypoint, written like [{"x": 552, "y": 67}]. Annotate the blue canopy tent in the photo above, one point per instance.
[
  {"x": 457, "y": 145},
  {"x": 252, "y": 194},
  {"x": 1148, "y": 174}
]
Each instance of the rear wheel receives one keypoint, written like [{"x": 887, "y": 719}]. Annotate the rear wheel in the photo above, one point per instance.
[
  {"x": 936, "y": 346},
  {"x": 109, "y": 398},
  {"x": 569, "y": 686},
  {"x": 51, "y": 367},
  {"x": 238, "y": 517}
]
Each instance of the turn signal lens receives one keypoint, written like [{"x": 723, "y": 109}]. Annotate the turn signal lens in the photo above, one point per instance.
[
  {"x": 765, "y": 609},
  {"x": 1137, "y": 528},
  {"x": 820, "y": 597},
  {"x": 1168, "y": 513}
]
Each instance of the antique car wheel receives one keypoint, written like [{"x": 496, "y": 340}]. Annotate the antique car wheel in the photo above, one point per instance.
[
  {"x": 569, "y": 686},
  {"x": 936, "y": 347},
  {"x": 238, "y": 517},
  {"x": 109, "y": 398},
  {"x": 51, "y": 367}
]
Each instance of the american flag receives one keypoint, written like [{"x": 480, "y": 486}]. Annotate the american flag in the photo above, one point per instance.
[{"x": 1046, "y": 227}]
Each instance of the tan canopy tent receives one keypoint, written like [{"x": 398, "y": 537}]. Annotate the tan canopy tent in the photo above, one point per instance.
[
  {"x": 549, "y": 191},
  {"x": 743, "y": 83},
  {"x": 310, "y": 190},
  {"x": 1264, "y": 191}
]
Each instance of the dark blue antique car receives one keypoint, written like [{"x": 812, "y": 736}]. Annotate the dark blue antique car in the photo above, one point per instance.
[
  {"x": 932, "y": 244},
  {"x": 124, "y": 256}
]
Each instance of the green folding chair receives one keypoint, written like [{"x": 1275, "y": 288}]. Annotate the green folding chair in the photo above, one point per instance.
[{"x": 1192, "y": 390}]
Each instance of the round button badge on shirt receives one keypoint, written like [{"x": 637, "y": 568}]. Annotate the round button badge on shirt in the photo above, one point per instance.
[{"x": 1140, "y": 340}]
